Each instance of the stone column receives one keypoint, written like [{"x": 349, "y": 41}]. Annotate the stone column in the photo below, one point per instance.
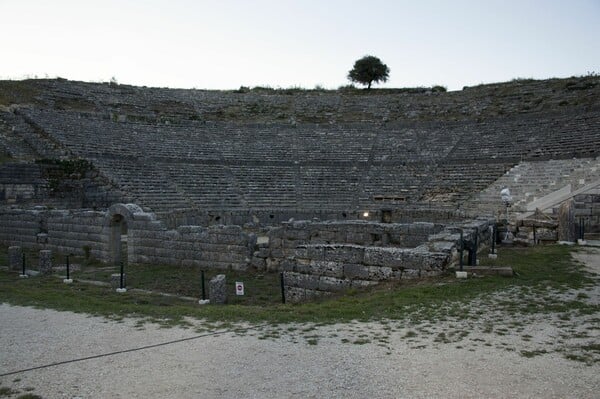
[
  {"x": 15, "y": 258},
  {"x": 217, "y": 291},
  {"x": 566, "y": 222},
  {"x": 45, "y": 261}
]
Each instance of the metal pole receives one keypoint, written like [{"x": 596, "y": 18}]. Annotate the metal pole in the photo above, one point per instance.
[
  {"x": 282, "y": 288},
  {"x": 494, "y": 239},
  {"x": 582, "y": 228},
  {"x": 507, "y": 224},
  {"x": 534, "y": 236},
  {"x": 121, "y": 283},
  {"x": 203, "y": 288},
  {"x": 23, "y": 263},
  {"x": 67, "y": 267}
]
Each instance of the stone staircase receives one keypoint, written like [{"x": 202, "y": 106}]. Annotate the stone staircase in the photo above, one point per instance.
[
  {"x": 12, "y": 142},
  {"x": 530, "y": 181}
]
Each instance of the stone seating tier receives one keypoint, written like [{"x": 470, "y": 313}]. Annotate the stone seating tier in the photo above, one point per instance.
[
  {"x": 346, "y": 166},
  {"x": 180, "y": 149}
]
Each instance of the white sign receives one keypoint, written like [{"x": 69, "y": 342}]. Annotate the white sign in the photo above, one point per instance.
[{"x": 239, "y": 288}]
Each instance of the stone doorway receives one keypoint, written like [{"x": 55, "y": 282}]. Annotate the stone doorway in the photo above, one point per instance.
[
  {"x": 118, "y": 239},
  {"x": 120, "y": 223}
]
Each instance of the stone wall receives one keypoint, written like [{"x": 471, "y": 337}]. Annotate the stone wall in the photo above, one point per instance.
[
  {"x": 148, "y": 240},
  {"x": 21, "y": 183},
  {"x": 215, "y": 247},
  {"x": 322, "y": 269},
  {"x": 283, "y": 241},
  {"x": 64, "y": 231},
  {"x": 50, "y": 183},
  {"x": 315, "y": 265},
  {"x": 587, "y": 209},
  {"x": 257, "y": 219}
]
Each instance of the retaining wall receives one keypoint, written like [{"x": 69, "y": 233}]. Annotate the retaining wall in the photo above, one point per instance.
[
  {"x": 65, "y": 231},
  {"x": 215, "y": 247},
  {"x": 148, "y": 240},
  {"x": 314, "y": 267}
]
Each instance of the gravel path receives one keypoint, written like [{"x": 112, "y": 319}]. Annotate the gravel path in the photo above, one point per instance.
[{"x": 491, "y": 356}]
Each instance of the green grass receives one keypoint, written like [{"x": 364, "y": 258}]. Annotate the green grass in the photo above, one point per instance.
[
  {"x": 6, "y": 391},
  {"x": 538, "y": 269}
]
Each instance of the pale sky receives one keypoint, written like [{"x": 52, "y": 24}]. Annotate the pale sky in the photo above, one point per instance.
[{"x": 224, "y": 44}]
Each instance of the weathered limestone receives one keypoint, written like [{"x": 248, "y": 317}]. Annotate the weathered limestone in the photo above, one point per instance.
[
  {"x": 96, "y": 234},
  {"x": 45, "y": 262},
  {"x": 64, "y": 231},
  {"x": 284, "y": 240},
  {"x": 566, "y": 222},
  {"x": 15, "y": 258},
  {"x": 217, "y": 290},
  {"x": 317, "y": 269},
  {"x": 115, "y": 280}
]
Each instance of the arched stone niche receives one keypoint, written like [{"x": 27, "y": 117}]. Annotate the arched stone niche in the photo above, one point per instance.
[{"x": 120, "y": 219}]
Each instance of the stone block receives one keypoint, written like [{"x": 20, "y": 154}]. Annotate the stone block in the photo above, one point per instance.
[
  {"x": 217, "y": 290},
  {"x": 294, "y": 294},
  {"x": 379, "y": 273},
  {"x": 115, "y": 280},
  {"x": 357, "y": 238},
  {"x": 288, "y": 265},
  {"x": 355, "y": 271},
  {"x": 326, "y": 268},
  {"x": 45, "y": 262},
  {"x": 442, "y": 246},
  {"x": 302, "y": 280},
  {"x": 258, "y": 263},
  {"x": 389, "y": 257},
  {"x": 15, "y": 258},
  {"x": 362, "y": 283},
  {"x": 349, "y": 254},
  {"x": 411, "y": 274},
  {"x": 315, "y": 252},
  {"x": 332, "y": 284},
  {"x": 277, "y": 253},
  {"x": 566, "y": 222}
]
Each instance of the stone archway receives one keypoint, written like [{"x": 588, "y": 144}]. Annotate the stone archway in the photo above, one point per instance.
[{"x": 120, "y": 219}]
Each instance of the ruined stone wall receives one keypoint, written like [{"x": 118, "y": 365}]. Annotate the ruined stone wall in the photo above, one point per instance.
[
  {"x": 315, "y": 270},
  {"x": 21, "y": 183},
  {"x": 64, "y": 231},
  {"x": 256, "y": 219},
  {"x": 51, "y": 184},
  {"x": 283, "y": 241},
  {"x": 587, "y": 209},
  {"x": 322, "y": 269},
  {"x": 84, "y": 232},
  {"x": 215, "y": 247}
]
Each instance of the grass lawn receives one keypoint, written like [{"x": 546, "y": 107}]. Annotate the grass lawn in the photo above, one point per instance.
[{"x": 537, "y": 269}]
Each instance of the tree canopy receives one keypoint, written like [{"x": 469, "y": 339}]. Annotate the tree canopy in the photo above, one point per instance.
[{"x": 369, "y": 69}]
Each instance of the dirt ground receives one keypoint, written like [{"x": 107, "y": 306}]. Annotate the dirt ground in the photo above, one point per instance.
[{"x": 492, "y": 356}]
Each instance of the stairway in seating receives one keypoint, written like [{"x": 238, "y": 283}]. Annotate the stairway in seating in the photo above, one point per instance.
[{"x": 529, "y": 181}]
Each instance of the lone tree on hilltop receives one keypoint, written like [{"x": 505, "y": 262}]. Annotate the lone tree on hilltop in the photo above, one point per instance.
[{"x": 369, "y": 69}]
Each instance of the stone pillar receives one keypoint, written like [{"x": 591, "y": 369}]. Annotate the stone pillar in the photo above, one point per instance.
[
  {"x": 15, "y": 258},
  {"x": 45, "y": 261},
  {"x": 115, "y": 280},
  {"x": 217, "y": 291},
  {"x": 566, "y": 222}
]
